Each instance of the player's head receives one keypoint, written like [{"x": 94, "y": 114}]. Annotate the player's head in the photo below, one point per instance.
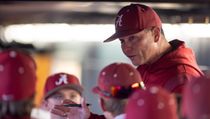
[
  {"x": 153, "y": 103},
  {"x": 139, "y": 30},
  {"x": 17, "y": 83},
  {"x": 116, "y": 82},
  {"x": 62, "y": 86},
  {"x": 134, "y": 18}
]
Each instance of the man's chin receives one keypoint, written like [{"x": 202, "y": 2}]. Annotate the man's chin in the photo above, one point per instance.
[{"x": 135, "y": 63}]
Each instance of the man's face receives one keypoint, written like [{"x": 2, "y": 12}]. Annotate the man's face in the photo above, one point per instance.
[
  {"x": 139, "y": 47},
  {"x": 58, "y": 98},
  {"x": 62, "y": 94}
]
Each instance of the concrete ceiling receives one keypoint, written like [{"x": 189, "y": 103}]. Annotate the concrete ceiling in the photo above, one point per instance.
[{"x": 98, "y": 12}]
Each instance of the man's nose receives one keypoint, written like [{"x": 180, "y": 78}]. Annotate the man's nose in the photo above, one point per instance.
[
  {"x": 67, "y": 97},
  {"x": 127, "y": 47}
]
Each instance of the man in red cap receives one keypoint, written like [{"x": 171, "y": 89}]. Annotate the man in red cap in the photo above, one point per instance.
[
  {"x": 196, "y": 100},
  {"x": 153, "y": 103},
  {"x": 62, "y": 86},
  {"x": 166, "y": 64},
  {"x": 116, "y": 82},
  {"x": 17, "y": 84},
  {"x": 63, "y": 97}
]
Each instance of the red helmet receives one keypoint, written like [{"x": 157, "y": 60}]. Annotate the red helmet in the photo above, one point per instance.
[
  {"x": 196, "y": 99},
  {"x": 117, "y": 80},
  {"x": 153, "y": 103},
  {"x": 17, "y": 75}
]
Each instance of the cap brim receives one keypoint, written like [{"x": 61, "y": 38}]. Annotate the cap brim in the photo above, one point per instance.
[
  {"x": 97, "y": 91},
  {"x": 70, "y": 86},
  {"x": 121, "y": 34},
  {"x": 111, "y": 38}
]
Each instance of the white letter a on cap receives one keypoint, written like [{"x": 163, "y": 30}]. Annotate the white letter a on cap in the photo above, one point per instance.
[
  {"x": 119, "y": 20},
  {"x": 62, "y": 79}
]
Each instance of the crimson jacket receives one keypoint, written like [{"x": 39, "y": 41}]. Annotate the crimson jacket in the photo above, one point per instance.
[{"x": 173, "y": 69}]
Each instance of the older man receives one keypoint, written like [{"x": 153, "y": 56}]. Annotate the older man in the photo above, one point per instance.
[{"x": 166, "y": 64}]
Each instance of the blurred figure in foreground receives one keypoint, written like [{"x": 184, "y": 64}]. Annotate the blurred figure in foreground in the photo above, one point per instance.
[
  {"x": 116, "y": 82},
  {"x": 17, "y": 84},
  {"x": 153, "y": 103},
  {"x": 196, "y": 100}
]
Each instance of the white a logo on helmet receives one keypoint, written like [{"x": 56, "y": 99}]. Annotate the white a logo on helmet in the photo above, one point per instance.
[
  {"x": 62, "y": 79},
  {"x": 119, "y": 20}
]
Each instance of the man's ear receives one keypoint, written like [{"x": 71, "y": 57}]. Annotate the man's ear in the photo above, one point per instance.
[{"x": 157, "y": 33}]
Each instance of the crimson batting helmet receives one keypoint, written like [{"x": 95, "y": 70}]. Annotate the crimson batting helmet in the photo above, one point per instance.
[
  {"x": 17, "y": 75},
  {"x": 118, "y": 80}
]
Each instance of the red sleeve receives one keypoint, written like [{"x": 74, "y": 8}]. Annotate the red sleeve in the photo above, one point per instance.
[
  {"x": 178, "y": 82},
  {"x": 95, "y": 116}
]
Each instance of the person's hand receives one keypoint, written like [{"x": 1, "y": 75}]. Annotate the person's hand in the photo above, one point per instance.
[
  {"x": 45, "y": 105},
  {"x": 85, "y": 109},
  {"x": 63, "y": 112}
]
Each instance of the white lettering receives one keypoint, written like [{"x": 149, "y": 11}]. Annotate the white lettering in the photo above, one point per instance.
[
  {"x": 119, "y": 20},
  {"x": 62, "y": 79}
]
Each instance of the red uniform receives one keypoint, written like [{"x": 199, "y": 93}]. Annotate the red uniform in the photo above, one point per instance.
[{"x": 173, "y": 69}]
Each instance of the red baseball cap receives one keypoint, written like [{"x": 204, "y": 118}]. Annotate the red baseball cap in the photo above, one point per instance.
[
  {"x": 133, "y": 19},
  {"x": 196, "y": 99},
  {"x": 17, "y": 75},
  {"x": 117, "y": 76},
  {"x": 153, "y": 103},
  {"x": 59, "y": 81}
]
